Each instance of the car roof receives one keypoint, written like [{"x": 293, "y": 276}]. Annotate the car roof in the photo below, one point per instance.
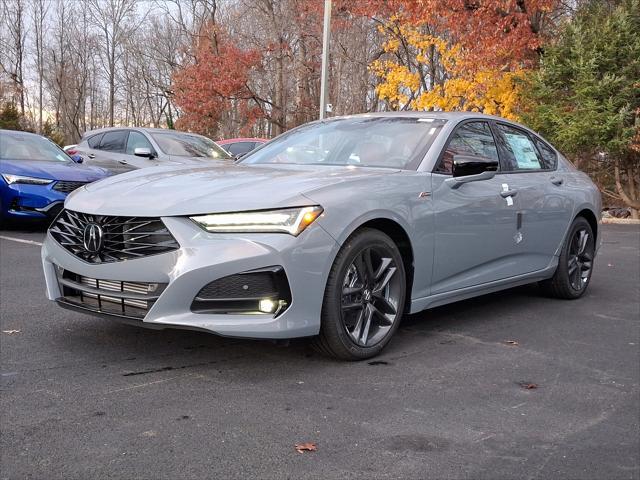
[
  {"x": 226, "y": 141},
  {"x": 454, "y": 117},
  {"x": 139, "y": 129},
  {"x": 431, "y": 114},
  {"x": 21, "y": 133}
]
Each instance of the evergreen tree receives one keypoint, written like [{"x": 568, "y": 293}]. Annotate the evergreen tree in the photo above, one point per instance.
[
  {"x": 586, "y": 96},
  {"x": 10, "y": 117}
]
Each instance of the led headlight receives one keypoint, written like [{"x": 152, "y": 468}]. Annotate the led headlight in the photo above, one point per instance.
[
  {"x": 287, "y": 220},
  {"x": 22, "y": 179}
]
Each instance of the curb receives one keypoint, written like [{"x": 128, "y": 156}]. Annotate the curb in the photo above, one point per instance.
[{"x": 620, "y": 221}]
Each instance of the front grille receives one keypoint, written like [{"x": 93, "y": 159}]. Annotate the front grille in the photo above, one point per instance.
[
  {"x": 113, "y": 297},
  {"x": 120, "y": 238},
  {"x": 67, "y": 187}
]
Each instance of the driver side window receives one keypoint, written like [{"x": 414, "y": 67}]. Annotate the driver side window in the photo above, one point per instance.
[
  {"x": 137, "y": 140},
  {"x": 471, "y": 138}
]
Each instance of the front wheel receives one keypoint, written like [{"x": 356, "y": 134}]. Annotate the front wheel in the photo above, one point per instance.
[
  {"x": 575, "y": 264},
  {"x": 364, "y": 297}
]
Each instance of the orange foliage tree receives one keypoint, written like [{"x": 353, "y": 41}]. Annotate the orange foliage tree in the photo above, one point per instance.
[
  {"x": 457, "y": 54},
  {"x": 216, "y": 80}
]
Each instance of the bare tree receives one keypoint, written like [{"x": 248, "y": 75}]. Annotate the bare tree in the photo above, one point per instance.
[
  {"x": 12, "y": 46},
  {"x": 115, "y": 22},
  {"x": 39, "y": 11}
]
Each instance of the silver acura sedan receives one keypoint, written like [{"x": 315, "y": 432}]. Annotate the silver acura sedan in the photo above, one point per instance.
[{"x": 333, "y": 230}]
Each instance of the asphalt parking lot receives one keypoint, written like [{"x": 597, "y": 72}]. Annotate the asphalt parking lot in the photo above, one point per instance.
[{"x": 84, "y": 397}]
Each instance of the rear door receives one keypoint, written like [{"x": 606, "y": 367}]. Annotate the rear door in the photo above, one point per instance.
[
  {"x": 111, "y": 152},
  {"x": 474, "y": 223},
  {"x": 88, "y": 146},
  {"x": 529, "y": 170}
]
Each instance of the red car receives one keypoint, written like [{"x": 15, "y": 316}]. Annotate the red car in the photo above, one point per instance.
[{"x": 241, "y": 146}]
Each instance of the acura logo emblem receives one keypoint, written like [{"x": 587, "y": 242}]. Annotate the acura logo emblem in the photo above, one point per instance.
[{"x": 92, "y": 238}]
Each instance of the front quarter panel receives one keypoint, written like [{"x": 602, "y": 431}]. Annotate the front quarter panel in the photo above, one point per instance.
[{"x": 402, "y": 197}]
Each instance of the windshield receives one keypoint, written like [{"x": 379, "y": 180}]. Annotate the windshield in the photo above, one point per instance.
[
  {"x": 188, "y": 145},
  {"x": 387, "y": 142},
  {"x": 30, "y": 147}
]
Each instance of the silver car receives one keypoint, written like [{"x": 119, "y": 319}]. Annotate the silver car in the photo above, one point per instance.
[
  {"x": 333, "y": 230},
  {"x": 120, "y": 149}
]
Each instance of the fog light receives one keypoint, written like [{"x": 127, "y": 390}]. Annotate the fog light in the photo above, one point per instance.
[{"x": 267, "y": 305}]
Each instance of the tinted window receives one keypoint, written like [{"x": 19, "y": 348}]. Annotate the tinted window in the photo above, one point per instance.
[
  {"x": 187, "y": 145},
  {"x": 549, "y": 156},
  {"x": 520, "y": 152},
  {"x": 471, "y": 138},
  {"x": 114, "y": 141},
  {"x": 388, "y": 142},
  {"x": 95, "y": 140},
  {"x": 137, "y": 140},
  {"x": 30, "y": 147},
  {"x": 240, "y": 147}
]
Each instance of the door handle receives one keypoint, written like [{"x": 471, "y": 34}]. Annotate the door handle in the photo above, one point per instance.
[
  {"x": 508, "y": 193},
  {"x": 123, "y": 162},
  {"x": 91, "y": 155},
  {"x": 557, "y": 181}
]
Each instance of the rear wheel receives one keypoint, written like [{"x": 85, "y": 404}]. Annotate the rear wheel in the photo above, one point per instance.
[
  {"x": 364, "y": 297},
  {"x": 575, "y": 265}
]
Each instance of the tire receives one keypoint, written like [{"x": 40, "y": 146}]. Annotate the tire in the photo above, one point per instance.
[
  {"x": 364, "y": 297},
  {"x": 575, "y": 265}
]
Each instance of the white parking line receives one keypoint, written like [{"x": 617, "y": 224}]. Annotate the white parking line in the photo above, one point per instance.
[{"x": 20, "y": 240}]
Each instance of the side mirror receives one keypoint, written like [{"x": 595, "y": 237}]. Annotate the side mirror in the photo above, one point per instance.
[
  {"x": 143, "y": 152},
  {"x": 464, "y": 165},
  {"x": 470, "y": 168},
  {"x": 77, "y": 158}
]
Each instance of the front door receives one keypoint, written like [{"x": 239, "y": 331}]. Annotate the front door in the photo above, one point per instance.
[
  {"x": 139, "y": 140},
  {"x": 475, "y": 224}
]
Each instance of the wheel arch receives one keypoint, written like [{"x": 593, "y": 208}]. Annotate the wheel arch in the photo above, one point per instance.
[
  {"x": 590, "y": 217},
  {"x": 401, "y": 238}
]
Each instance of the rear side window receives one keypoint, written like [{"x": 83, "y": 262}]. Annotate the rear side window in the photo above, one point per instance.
[
  {"x": 137, "y": 140},
  {"x": 471, "y": 138},
  {"x": 94, "y": 141},
  {"x": 114, "y": 141},
  {"x": 519, "y": 149},
  {"x": 549, "y": 156},
  {"x": 240, "y": 148}
]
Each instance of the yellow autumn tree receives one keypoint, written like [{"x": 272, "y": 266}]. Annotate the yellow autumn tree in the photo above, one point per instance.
[{"x": 424, "y": 71}]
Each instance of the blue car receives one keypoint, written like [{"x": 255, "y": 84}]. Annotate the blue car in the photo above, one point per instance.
[{"x": 36, "y": 176}]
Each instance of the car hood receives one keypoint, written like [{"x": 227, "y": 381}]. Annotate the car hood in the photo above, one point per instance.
[
  {"x": 68, "y": 171},
  {"x": 170, "y": 191}
]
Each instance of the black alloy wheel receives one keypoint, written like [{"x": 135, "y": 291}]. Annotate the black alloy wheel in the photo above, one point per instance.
[{"x": 364, "y": 298}]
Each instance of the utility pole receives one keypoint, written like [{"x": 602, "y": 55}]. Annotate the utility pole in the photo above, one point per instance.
[{"x": 324, "y": 75}]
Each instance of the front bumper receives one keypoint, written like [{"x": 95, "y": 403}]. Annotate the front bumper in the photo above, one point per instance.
[
  {"x": 204, "y": 257},
  {"x": 37, "y": 202}
]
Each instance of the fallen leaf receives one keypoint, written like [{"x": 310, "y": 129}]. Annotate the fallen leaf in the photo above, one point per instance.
[
  {"x": 511, "y": 342},
  {"x": 10, "y": 332},
  {"x": 529, "y": 386},
  {"x": 306, "y": 447}
]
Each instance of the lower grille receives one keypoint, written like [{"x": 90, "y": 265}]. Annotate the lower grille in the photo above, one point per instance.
[
  {"x": 243, "y": 293},
  {"x": 112, "y": 297},
  {"x": 66, "y": 186}
]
